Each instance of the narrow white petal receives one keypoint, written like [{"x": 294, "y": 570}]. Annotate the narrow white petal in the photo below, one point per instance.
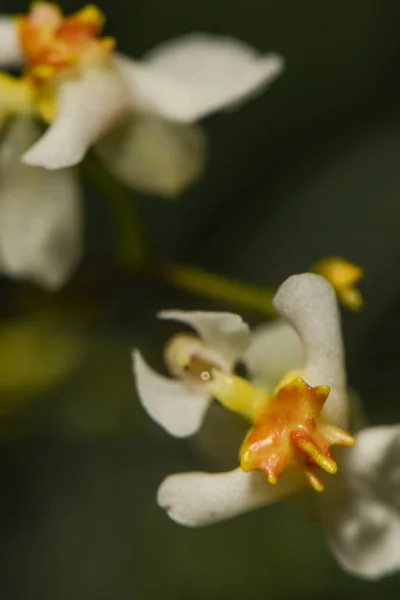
[
  {"x": 177, "y": 409},
  {"x": 88, "y": 105},
  {"x": 198, "y": 499},
  {"x": 10, "y": 49},
  {"x": 308, "y": 302},
  {"x": 190, "y": 77},
  {"x": 40, "y": 214},
  {"x": 226, "y": 333},
  {"x": 155, "y": 155},
  {"x": 361, "y": 505},
  {"x": 275, "y": 349}
]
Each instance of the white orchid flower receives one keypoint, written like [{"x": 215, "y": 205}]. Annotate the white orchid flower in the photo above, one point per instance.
[
  {"x": 86, "y": 90},
  {"x": 289, "y": 444},
  {"x": 40, "y": 211},
  {"x": 179, "y": 405}
]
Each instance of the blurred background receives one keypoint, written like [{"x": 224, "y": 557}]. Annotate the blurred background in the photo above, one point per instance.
[{"x": 310, "y": 168}]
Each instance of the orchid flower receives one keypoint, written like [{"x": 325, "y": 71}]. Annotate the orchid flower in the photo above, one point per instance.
[
  {"x": 293, "y": 427},
  {"x": 138, "y": 115},
  {"x": 40, "y": 210},
  {"x": 179, "y": 405}
]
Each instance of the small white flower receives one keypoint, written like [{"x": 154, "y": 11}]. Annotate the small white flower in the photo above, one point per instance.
[
  {"x": 155, "y": 101},
  {"x": 179, "y": 404},
  {"x": 40, "y": 210},
  {"x": 360, "y": 507}
]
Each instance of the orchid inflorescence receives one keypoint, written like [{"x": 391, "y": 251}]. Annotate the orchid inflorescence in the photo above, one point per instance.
[{"x": 75, "y": 94}]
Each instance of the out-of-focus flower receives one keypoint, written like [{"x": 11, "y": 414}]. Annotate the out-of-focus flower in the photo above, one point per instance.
[
  {"x": 293, "y": 429},
  {"x": 85, "y": 90},
  {"x": 36, "y": 354},
  {"x": 343, "y": 275},
  {"x": 179, "y": 404},
  {"x": 40, "y": 212}
]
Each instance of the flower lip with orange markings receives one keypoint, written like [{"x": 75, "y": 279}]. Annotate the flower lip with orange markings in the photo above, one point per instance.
[
  {"x": 290, "y": 432},
  {"x": 53, "y": 43}
]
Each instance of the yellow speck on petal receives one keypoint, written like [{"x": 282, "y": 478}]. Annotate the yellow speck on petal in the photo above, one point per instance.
[
  {"x": 342, "y": 275},
  {"x": 289, "y": 432}
]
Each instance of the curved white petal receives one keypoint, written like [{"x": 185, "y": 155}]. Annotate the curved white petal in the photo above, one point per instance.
[
  {"x": 275, "y": 349},
  {"x": 40, "y": 214},
  {"x": 361, "y": 506},
  {"x": 190, "y": 77},
  {"x": 155, "y": 155},
  {"x": 198, "y": 499},
  {"x": 308, "y": 302},
  {"x": 226, "y": 333},
  {"x": 10, "y": 50},
  {"x": 88, "y": 104},
  {"x": 177, "y": 409}
]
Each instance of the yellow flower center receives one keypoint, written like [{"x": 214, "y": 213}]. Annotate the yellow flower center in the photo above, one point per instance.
[
  {"x": 288, "y": 430},
  {"x": 53, "y": 43}
]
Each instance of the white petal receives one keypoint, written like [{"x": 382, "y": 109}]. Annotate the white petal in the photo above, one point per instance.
[
  {"x": 179, "y": 410},
  {"x": 198, "y": 499},
  {"x": 154, "y": 155},
  {"x": 275, "y": 349},
  {"x": 88, "y": 105},
  {"x": 10, "y": 50},
  {"x": 226, "y": 333},
  {"x": 40, "y": 214},
  {"x": 308, "y": 302},
  {"x": 190, "y": 77},
  {"x": 361, "y": 507}
]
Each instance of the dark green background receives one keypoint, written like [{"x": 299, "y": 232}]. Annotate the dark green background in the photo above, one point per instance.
[{"x": 310, "y": 168}]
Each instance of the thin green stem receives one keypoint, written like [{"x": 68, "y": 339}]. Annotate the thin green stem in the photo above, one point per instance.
[
  {"x": 132, "y": 246},
  {"x": 219, "y": 288}
]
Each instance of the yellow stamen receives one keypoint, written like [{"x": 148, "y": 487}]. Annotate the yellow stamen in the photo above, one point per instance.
[
  {"x": 337, "y": 436},
  {"x": 313, "y": 479},
  {"x": 324, "y": 462}
]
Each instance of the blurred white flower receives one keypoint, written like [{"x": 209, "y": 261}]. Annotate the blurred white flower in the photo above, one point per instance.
[
  {"x": 86, "y": 90},
  {"x": 40, "y": 212},
  {"x": 291, "y": 435},
  {"x": 179, "y": 404}
]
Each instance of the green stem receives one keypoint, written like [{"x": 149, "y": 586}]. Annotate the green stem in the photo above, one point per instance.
[
  {"x": 213, "y": 286},
  {"x": 132, "y": 247}
]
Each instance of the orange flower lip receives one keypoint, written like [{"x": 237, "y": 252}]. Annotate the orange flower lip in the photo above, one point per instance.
[
  {"x": 290, "y": 432},
  {"x": 52, "y": 42}
]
